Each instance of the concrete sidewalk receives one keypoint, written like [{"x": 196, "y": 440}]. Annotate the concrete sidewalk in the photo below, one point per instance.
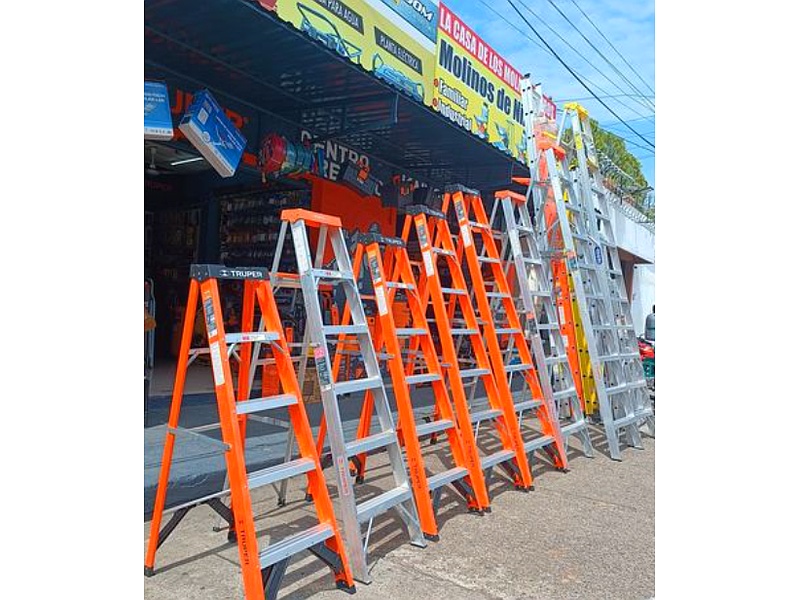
[{"x": 586, "y": 534}]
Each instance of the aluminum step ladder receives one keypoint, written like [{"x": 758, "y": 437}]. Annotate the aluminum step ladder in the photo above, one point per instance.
[
  {"x": 262, "y": 567},
  {"x": 323, "y": 339},
  {"x": 530, "y": 275},
  {"x": 439, "y": 261},
  {"x": 413, "y": 362},
  {"x": 502, "y": 326}
]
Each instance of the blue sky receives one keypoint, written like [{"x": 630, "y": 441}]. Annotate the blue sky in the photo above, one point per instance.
[{"x": 628, "y": 24}]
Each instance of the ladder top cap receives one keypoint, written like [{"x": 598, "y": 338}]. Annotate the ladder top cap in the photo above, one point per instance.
[
  {"x": 509, "y": 194},
  {"x": 577, "y": 108},
  {"x": 457, "y": 187},
  {"x": 415, "y": 209},
  {"x": 377, "y": 238},
  {"x": 203, "y": 272},
  {"x": 545, "y": 144},
  {"x": 311, "y": 218}
]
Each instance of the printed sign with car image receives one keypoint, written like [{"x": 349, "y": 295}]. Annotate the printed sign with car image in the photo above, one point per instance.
[
  {"x": 369, "y": 33},
  {"x": 476, "y": 88}
]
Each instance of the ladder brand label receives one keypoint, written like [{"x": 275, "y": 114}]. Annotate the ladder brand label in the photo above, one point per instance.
[
  {"x": 322, "y": 368},
  {"x": 426, "y": 258},
  {"x": 344, "y": 475},
  {"x": 216, "y": 364},
  {"x": 211, "y": 321},
  {"x": 465, "y": 235},
  {"x": 380, "y": 299}
]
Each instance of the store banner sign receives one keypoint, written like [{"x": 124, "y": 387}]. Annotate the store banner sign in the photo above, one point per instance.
[
  {"x": 157, "y": 117},
  {"x": 476, "y": 88},
  {"x": 399, "y": 51},
  {"x": 209, "y": 130}
]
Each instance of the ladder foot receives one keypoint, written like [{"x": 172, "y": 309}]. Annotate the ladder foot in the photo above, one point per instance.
[
  {"x": 231, "y": 536},
  {"x": 431, "y": 537},
  {"x": 309, "y": 498},
  {"x": 149, "y": 571},
  {"x": 360, "y": 479},
  {"x": 281, "y": 502},
  {"x": 342, "y": 585}
]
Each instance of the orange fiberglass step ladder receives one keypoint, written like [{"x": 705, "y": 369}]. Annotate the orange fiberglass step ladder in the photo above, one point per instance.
[
  {"x": 391, "y": 275},
  {"x": 529, "y": 275},
  {"x": 262, "y": 569},
  {"x": 503, "y": 324},
  {"x": 322, "y": 337},
  {"x": 438, "y": 261}
]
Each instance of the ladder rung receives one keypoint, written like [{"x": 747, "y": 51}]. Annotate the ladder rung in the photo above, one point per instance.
[
  {"x": 496, "y": 458},
  {"x": 370, "y": 442},
  {"x": 398, "y": 285},
  {"x": 552, "y": 360},
  {"x": 618, "y": 389},
  {"x": 422, "y": 378},
  {"x": 563, "y": 394},
  {"x": 477, "y": 225},
  {"x": 424, "y": 429},
  {"x": 467, "y": 373},
  {"x": 625, "y": 421},
  {"x": 250, "y": 336},
  {"x": 449, "y": 476},
  {"x": 409, "y": 331},
  {"x": 333, "y": 275},
  {"x": 380, "y": 355},
  {"x": 485, "y": 415},
  {"x": 621, "y": 356},
  {"x": 540, "y": 442},
  {"x": 548, "y": 326},
  {"x": 454, "y": 291},
  {"x": 497, "y": 295},
  {"x": 357, "y": 385},
  {"x": 279, "y": 472},
  {"x": 518, "y": 367},
  {"x": 526, "y": 405},
  {"x": 245, "y": 407},
  {"x": 532, "y": 261},
  {"x": 345, "y": 329},
  {"x": 368, "y": 509},
  {"x": 572, "y": 427},
  {"x": 507, "y": 331},
  {"x": 523, "y": 229},
  {"x": 489, "y": 259},
  {"x": 443, "y": 252},
  {"x": 464, "y": 331},
  {"x": 298, "y": 542}
]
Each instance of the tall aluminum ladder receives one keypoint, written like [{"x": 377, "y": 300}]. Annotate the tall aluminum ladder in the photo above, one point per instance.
[
  {"x": 322, "y": 337},
  {"x": 428, "y": 229},
  {"x": 621, "y": 354},
  {"x": 511, "y": 359},
  {"x": 262, "y": 568},
  {"x": 531, "y": 275}
]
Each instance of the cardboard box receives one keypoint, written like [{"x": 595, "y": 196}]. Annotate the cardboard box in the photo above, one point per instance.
[{"x": 213, "y": 134}]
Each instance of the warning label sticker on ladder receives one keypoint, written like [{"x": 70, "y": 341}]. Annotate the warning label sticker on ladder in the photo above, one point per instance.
[
  {"x": 465, "y": 235},
  {"x": 426, "y": 258},
  {"x": 216, "y": 364},
  {"x": 322, "y": 368},
  {"x": 380, "y": 299}
]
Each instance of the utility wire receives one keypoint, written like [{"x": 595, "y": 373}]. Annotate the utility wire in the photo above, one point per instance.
[
  {"x": 603, "y": 56},
  {"x": 576, "y": 51},
  {"x": 568, "y": 68},
  {"x": 613, "y": 47}
]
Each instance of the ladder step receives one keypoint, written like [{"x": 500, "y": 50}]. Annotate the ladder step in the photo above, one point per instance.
[
  {"x": 540, "y": 442},
  {"x": 496, "y": 458},
  {"x": 507, "y": 331},
  {"x": 485, "y": 415},
  {"x": 454, "y": 291},
  {"x": 572, "y": 427},
  {"x": 497, "y": 295},
  {"x": 332, "y": 275},
  {"x": 279, "y": 472},
  {"x": 554, "y": 360},
  {"x": 424, "y": 429},
  {"x": 449, "y": 476},
  {"x": 477, "y": 225},
  {"x": 549, "y": 326},
  {"x": 371, "y": 442},
  {"x": 531, "y": 261},
  {"x": 464, "y": 331},
  {"x": 527, "y": 405},
  {"x": 443, "y": 252},
  {"x": 518, "y": 367},
  {"x": 250, "y": 336},
  {"x": 357, "y": 385},
  {"x": 345, "y": 329},
  {"x": 291, "y": 545},
  {"x": 488, "y": 259},
  {"x": 245, "y": 407},
  {"x": 526, "y": 230},
  {"x": 563, "y": 394},
  {"x": 368, "y": 509},
  {"x": 467, "y": 373},
  {"x": 621, "y": 356},
  {"x": 618, "y": 389},
  {"x": 409, "y": 331},
  {"x": 625, "y": 421},
  {"x": 422, "y": 378},
  {"x": 399, "y": 286}
]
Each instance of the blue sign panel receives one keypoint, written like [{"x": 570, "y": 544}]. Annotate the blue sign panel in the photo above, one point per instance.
[
  {"x": 157, "y": 118},
  {"x": 423, "y": 15},
  {"x": 205, "y": 125}
]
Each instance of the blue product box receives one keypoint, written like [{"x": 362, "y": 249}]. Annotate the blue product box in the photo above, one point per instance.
[
  {"x": 213, "y": 134},
  {"x": 157, "y": 117}
]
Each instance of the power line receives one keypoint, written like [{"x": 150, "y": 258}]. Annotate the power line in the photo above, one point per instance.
[
  {"x": 576, "y": 51},
  {"x": 596, "y": 49},
  {"x": 568, "y": 68},
  {"x": 613, "y": 47}
]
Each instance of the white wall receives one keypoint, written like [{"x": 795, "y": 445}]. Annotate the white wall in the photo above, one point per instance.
[
  {"x": 644, "y": 294},
  {"x": 632, "y": 236}
]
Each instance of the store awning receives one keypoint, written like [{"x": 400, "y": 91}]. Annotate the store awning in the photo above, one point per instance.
[{"x": 240, "y": 51}]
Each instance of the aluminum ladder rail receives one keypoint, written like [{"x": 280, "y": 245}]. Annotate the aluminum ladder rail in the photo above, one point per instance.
[
  {"x": 626, "y": 364},
  {"x": 503, "y": 323},
  {"x": 262, "y": 569},
  {"x": 321, "y": 336},
  {"x": 439, "y": 260},
  {"x": 533, "y": 296}
]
